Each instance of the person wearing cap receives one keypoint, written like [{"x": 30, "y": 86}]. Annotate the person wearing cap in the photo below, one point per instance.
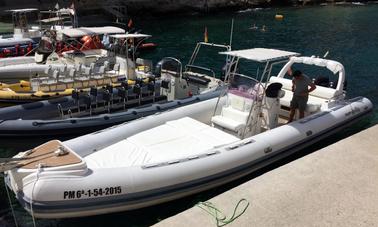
[{"x": 302, "y": 86}]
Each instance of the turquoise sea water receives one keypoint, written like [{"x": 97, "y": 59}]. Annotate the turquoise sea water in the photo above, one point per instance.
[{"x": 346, "y": 32}]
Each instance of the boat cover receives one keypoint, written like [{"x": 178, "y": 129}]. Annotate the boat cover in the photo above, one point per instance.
[{"x": 173, "y": 140}]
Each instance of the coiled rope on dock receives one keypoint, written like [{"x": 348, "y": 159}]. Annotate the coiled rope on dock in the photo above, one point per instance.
[{"x": 220, "y": 218}]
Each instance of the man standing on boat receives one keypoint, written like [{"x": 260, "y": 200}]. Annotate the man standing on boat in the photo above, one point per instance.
[{"x": 300, "y": 89}]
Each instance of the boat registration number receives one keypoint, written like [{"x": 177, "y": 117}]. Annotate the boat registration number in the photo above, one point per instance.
[{"x": 92, "y": 192}]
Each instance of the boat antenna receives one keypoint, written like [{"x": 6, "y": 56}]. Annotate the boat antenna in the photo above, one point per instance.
[
  {"x": 228, "y": 57},
  {"x": 326, "y": 54},
  {"x": 232, "y": 31}
]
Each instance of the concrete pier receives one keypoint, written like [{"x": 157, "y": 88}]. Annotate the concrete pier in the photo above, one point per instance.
[{"x": 335, "y": 186}]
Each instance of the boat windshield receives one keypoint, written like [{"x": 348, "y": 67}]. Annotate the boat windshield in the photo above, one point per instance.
[{"x": 245, "y": 87}]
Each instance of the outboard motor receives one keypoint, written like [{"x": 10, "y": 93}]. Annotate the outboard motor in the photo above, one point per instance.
[{"x": 273, "y": 94}]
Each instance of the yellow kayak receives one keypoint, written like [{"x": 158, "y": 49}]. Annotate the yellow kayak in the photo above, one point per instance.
[{"x": 25, "y": 91}]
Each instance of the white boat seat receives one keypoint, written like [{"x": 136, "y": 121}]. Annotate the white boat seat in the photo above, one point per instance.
[
  {"x": 72, "y": 73},
  {"x": 68, "y": 77},
  {"x": 63, "y": 70},
  {"x": 106, "y": 65},
  {"x": 100, "y": 74},
  {"x": 233, "y": 117},
  {"x": 92, "y": 66},
  {"x": 79, "y": 67},
  {"x": 54, "y": 79},
  {"x": 85, "y": 75}
]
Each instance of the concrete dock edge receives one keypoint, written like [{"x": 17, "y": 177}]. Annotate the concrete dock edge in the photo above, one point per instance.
[{"x": 334, "y": 186}]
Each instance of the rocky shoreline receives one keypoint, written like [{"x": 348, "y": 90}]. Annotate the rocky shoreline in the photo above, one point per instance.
[
  {"x": 167, "y": 6},
  {"x": 125, "y": 8}
]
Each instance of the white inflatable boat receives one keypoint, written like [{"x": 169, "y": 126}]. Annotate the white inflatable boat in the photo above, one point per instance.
[
  {"x": 46, "y": 56},
  {"x": 183, "y": 151}
]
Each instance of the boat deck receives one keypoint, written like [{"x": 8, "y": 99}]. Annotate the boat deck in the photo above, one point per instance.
[{"x": 50, "y": 154}]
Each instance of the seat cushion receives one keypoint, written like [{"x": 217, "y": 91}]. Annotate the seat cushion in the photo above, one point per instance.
[{"x": 227, "y": 123}]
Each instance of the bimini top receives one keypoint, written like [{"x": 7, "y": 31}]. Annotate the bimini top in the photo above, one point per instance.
[
  {"x": 130, "y": 36},
  {"x": 82, "y": 31},
  {"x": 261, "y": 54}
]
